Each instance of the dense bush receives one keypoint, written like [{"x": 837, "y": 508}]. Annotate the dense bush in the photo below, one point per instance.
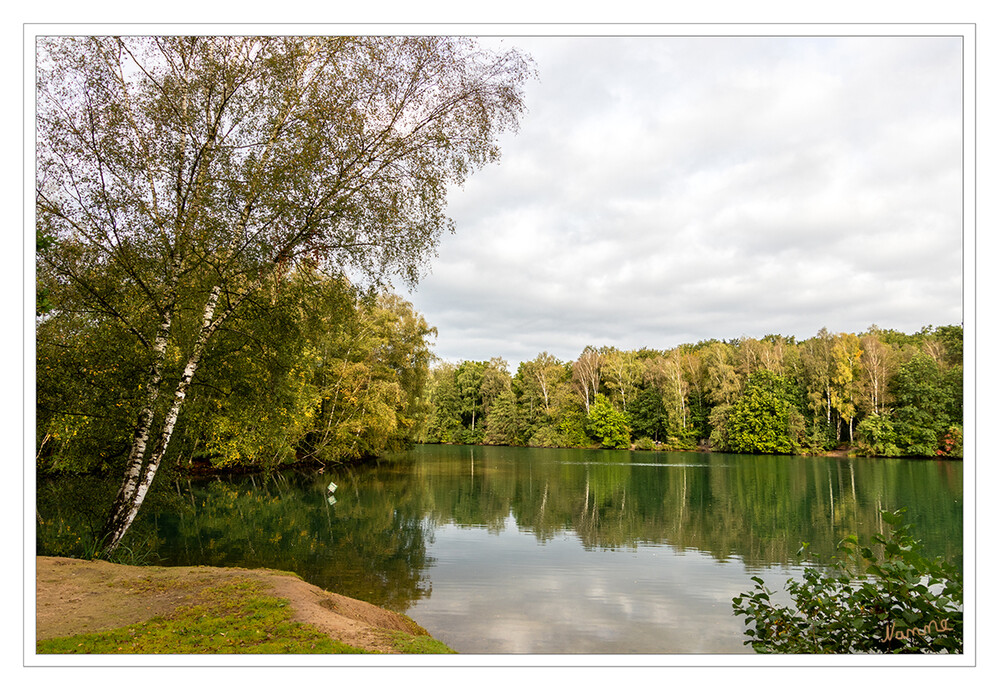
[
  {"x": 764, "y": 419},
  {"x": 646, "y": 443},
  {"x": 876, "y": 437},
  {"x": 886, "y": 599},
  {"x": 607, "y": 425}
]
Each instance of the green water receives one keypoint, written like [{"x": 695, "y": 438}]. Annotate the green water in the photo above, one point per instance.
[{"x": 517, "y": 550}]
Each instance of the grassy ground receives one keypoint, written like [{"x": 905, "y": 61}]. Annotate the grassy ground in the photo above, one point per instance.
[{"x": 238, "y": 615}]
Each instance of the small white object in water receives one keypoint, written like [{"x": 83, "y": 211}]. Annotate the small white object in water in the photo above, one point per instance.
[{"x": 331, "y": 487}]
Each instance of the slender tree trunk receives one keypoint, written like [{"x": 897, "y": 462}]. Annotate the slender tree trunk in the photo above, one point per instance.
[
  {"x": 543, "y": 382},
  {"x": 137, "y": 453},
  {"x": 140, "y": 439},
  {"x": 677, "y": 376},
  {"x": 138, "y": 480}
]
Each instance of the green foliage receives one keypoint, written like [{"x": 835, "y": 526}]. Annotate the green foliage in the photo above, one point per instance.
[
  {"x": 468, "y": 380},
  {"x": 572, "y": 427},
  {"x": 256, "y": 396},
  {"x": 607, "y": 425},
  {"x": 539, "y": 384},
  {"x": 371, "y": 381},
  {"x": 313, "y": 371},
  {"x": 43, "y": 304},
  {"x": 721, "y": 381},
  {"x": 928, "y": 402},
  {"x": 952, "y": 339},
  {"x": 764, "y": 419},
  {"x": 877, "y": 437},
  {"x": 444, "y": 425},
  {"x": 85, "y": 402},
  {"x": 647, "y": 414},
  {"x": 818, "y": 436},
  {"x": 718, "y": 422},
  {"x": 685, "y": 442},
  {"x": 845, "y": 377},
  {"x": 884, "y": 598},
  {"x": 547, "y": 436},
  {"x": 502, "y": 422},
  {"x": 645, "y": 443}
]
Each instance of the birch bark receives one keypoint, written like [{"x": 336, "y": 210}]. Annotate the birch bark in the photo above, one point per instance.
[{"x": 134, "y": 490}]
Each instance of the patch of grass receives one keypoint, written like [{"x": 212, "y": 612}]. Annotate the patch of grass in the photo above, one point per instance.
[
  {"x": 405, "y": 643},
  {"x": 238, "y": 619}
]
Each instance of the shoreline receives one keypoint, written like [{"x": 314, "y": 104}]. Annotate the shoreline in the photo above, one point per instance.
[{"x": 203, "y": 469}]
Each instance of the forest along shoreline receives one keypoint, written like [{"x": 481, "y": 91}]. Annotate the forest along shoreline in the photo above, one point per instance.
[
  {"x": 204, "y": 468},
  {"x": 879, "y": 393}
]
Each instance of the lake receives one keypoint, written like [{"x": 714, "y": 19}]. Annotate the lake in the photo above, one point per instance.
[{"x": 498, "y": 550}]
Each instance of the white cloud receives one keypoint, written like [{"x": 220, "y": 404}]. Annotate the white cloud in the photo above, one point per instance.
[{"x": 667, "y": 190}]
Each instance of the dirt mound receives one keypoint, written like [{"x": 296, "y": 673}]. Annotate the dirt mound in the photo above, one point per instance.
[{"x": 75, "y": 596}]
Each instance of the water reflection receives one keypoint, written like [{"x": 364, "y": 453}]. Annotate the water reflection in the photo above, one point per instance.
[
  {"x": 506, "y": 595},
  {"x": 526, "y": 550}
]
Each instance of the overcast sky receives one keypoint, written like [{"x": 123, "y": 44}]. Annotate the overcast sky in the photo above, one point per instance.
[{"x": 664, "y": 190}]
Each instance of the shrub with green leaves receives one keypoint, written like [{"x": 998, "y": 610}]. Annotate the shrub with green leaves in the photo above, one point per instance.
[
  {"x": 764, "y": 418},
  {"x": 646, "y": 443},
  {"x": 887, "y": 598},
  {"x": 608, "y": 425}
]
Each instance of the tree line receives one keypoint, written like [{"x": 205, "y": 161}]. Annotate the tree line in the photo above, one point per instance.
[{"x": 878, "y": 393}]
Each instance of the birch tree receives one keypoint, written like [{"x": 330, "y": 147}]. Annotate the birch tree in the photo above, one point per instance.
[
  {"x": 876, "y": 361},
  {"x": 664, "y": 374},
  {"x": 817, "y": 367},
  {"x": 177, "y": 175},
  {"x": 539, "y": 379},
  {"x": 620, "y": 373},
  {"x": 586, "y": 375},
  {"x": 846, "y": 377},
  {"x": 722, "y": 382}
]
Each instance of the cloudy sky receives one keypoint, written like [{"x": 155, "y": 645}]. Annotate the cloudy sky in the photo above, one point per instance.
[{"x": 665, "y": 190}]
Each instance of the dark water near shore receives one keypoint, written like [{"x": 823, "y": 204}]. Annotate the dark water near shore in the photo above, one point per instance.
[{"x": 519, "y": 550}]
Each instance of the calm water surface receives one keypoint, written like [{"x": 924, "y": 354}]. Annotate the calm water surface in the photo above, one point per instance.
[{"x": 515, "y": 550}]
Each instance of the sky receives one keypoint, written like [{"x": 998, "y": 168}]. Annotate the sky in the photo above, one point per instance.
[{"x": 666, "y": 190}]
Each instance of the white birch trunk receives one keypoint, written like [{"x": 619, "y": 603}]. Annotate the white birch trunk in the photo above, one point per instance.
[
  {"x": 543, "y": 382},
  {"x": 677, "y": 376},
  {"x": 141, "y": 437},
  {"x": 137, "y": 481}
]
